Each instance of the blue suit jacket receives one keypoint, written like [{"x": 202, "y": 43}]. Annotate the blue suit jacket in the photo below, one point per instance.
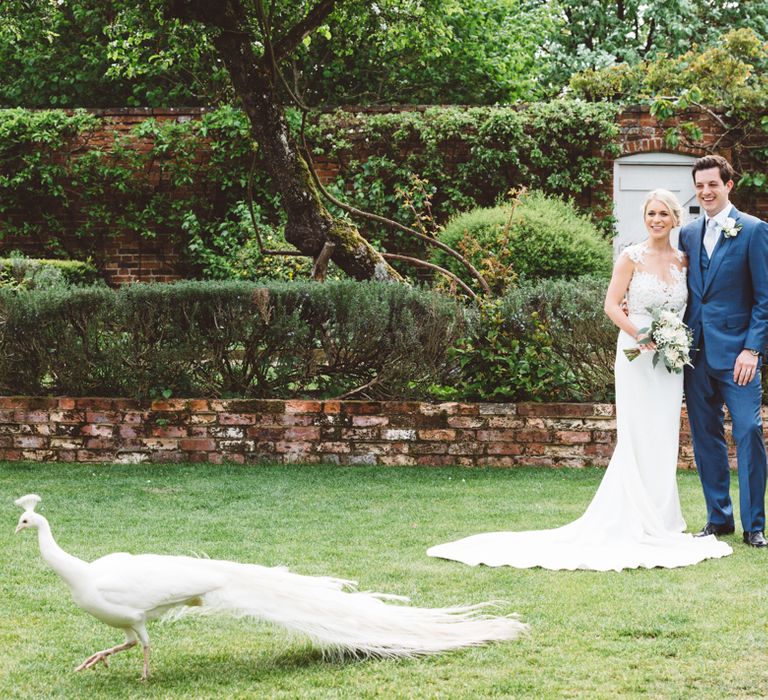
[{"x": 730, "y": 306}]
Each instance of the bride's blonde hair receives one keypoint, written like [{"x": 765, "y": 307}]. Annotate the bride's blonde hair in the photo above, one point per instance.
[{"x": 668, "y": 198}]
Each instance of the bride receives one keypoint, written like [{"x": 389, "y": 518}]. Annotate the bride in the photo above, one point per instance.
[{"x": 634, "y": 519}]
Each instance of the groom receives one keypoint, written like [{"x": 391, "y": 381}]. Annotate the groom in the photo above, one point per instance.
[{"x": 728, "y": 314}]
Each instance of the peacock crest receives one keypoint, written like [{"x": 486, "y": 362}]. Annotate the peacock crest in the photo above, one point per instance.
[{"x": 28, "y": 502}]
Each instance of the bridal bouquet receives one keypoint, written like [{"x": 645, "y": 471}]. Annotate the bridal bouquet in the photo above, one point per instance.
[{"x": 672, "y": 337}]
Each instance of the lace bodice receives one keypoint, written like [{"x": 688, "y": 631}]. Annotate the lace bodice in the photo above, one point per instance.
[{"x": 648, "y": 290}]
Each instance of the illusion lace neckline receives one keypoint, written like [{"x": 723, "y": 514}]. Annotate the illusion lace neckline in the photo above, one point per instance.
[{"x": 636, "y": 253}]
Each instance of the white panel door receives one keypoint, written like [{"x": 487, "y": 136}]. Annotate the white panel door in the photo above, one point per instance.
[{"x": 635, "y": 176}]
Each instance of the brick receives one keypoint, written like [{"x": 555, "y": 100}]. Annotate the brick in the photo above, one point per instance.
[
  {"x": 435, "y": 460},
  {"x": 531, "y": 436},
  {"x": 572, "y": 436},
  {"x": 284, "y": 447},
  {"x": 442, "y": 435},
  {"x": 170, "y": 431},
  {"x": 362, "y": 408},
  {"x": 159, "y": 443},
  {"x": 97, "y": 430},
  {"x": 296, "y": 406},
  {"x": 365, "y": 421},
  {"x": 360, "y": 459},
  {"x": 358, "y": 434},
  {"x": 504, "y": 448},
  {"x": 443, "y": 409},
  {"x": 397, "y": 460},
  {"x": 66, "y": 443},
  {"x": 96, "y": 456},
  {"x": 29, "y": 441},
  {"x": 32, "y": 416},
  {"x": 466, "y": 422},
  {"x": 555, "y": 409},
  {"x": 192, "y": 444},
  {"x": 101, "y": 417},
  {"x": 428, "y": 448},
  {"x": 299, "y": 433},
  {"x": 236, "y": 419},
  {"x": 497, "y": 435},
  {"x": 466, "y": 448},
  {"x": 132, "y": 457},
  {"x": 400, "y": 434},
  {"x": 65, "y": 416},
  {"x": 168, "y": 405},
  {"x": 334, "y": 447},
  {"x": 236, "y": 445},
  {"x": 99, "y": 444},
  {"x": 203, "y": 418},
  {"x": 497, "y": 409}
]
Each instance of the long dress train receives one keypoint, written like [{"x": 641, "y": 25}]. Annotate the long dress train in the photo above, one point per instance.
[{"x": 634, "y": 519}]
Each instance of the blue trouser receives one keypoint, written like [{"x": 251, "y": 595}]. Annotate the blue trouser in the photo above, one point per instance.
[{"x": 706, "y": 390}]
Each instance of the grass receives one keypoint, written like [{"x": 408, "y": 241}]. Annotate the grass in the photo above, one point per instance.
[{"x": 696, "y": 632}]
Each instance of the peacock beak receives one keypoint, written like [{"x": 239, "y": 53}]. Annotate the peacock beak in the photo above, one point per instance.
[{"x": 19, "y": 528}]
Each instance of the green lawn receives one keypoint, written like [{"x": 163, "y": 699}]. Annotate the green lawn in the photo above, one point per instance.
[{"x": 697, "y": 632}]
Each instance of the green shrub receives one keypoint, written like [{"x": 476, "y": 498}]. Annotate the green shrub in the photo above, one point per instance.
[
  {"x": 581, "y": 337},
  {"x": 548, "y": 341},
  {"x": 226, "y": 339},
  {"x": 34, "y": 273},
  {"x": 543, "y": 237}
]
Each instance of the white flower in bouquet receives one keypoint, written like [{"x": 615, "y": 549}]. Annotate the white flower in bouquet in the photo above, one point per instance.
[{"x": 672, "y": 338}]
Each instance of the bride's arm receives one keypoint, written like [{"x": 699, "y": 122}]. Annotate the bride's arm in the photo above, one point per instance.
[{"x": 617, "y": 289}]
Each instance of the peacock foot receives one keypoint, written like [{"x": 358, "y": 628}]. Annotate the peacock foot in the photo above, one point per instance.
[
  {"x": 92, "y": 661},
  {"x": 101, "y": 656}
]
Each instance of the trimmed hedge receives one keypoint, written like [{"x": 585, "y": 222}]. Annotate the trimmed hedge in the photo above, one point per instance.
[
  {"x": 226, "y": 339},
  {"x": 42, "y": 273}
]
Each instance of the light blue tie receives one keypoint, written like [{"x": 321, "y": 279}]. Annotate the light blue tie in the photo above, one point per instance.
[{"x": 710, "y": 236}]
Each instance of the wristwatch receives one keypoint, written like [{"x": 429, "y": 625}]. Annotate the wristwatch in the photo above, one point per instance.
[{"x": 752, "y": 352}]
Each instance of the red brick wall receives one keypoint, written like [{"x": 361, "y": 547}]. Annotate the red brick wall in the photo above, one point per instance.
[
  {"x": 129, "y": 257},
  {"x": 340, "y": 432},
  {"x": 641, "y": 133}
]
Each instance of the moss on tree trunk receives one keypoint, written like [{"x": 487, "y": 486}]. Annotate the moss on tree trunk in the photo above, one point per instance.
[{"x": 309, "y": 224}]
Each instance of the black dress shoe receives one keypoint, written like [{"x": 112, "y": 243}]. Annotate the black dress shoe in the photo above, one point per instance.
[
  {"x": 712, "y": 529},
  {"x": 755, "y": 539}
]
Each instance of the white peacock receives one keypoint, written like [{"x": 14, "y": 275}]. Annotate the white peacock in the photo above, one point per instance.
[{"x": 126, "y": 591}]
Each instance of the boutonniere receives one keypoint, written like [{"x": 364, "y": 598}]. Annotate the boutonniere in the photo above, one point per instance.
[{"x": 731, "y": 228}]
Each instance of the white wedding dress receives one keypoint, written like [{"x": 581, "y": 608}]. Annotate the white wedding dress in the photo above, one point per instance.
[{"x": 634, "y": 519}]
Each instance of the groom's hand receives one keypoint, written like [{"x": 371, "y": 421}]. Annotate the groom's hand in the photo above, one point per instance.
[{"x": 745, "y": 368}]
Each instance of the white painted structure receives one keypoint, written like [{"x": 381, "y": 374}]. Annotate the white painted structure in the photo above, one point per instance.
[{"x": 636, "y": 175}]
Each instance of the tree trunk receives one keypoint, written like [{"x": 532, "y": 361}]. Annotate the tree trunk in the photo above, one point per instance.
[{"x": 309, "y": 224}]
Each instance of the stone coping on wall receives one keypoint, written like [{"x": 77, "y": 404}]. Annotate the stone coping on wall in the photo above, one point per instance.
[{"x": 64, "y": 429}]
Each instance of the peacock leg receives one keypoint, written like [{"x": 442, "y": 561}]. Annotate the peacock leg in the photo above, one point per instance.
[
  {"x": 94, "y": 659},
  {"x": 145, "y": 674}
]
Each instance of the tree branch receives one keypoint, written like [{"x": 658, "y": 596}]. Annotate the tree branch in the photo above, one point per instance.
[
  {"x": 286, "y": 44},
  {"x": 320, "y": 268},
  {"x": 393, "y": 224},
  {"x": 423, "y": 263}
]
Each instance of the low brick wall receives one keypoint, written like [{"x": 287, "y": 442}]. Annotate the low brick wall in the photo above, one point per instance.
[{"x": 341, "y": 432}]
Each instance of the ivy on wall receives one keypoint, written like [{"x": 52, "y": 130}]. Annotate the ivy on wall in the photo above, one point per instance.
[
  {"x": 470, "y": 157},
  {"x": 66, "y": 187}
]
